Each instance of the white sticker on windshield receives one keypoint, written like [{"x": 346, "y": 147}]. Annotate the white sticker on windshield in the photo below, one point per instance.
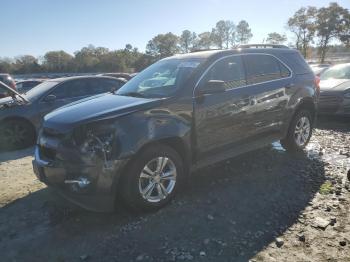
[{"x": 189, "y": 64}]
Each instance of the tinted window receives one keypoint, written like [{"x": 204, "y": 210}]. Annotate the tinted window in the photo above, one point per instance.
[
  {"x": 230, "y": 70},
  {"x": 284, "y": 70},
  {"x": 70, "y": 89},
  {"x": 99, "y": 86},
  {"x": 296, "y": 62},
  {"x": 261, "y": 68}
]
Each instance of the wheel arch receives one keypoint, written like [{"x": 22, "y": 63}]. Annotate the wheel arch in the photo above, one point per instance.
[{"x": 19, "y": 118}]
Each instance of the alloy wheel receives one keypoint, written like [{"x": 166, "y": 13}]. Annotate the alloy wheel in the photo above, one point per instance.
[
  {"x": 157, "y": 179},
  {"x": 302, "y": 131}
]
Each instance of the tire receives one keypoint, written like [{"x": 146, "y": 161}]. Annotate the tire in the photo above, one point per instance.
[
  {"x": 142, "y": 174},
  {"x": 299, "y": 132},
  {"x": 16, "y": 134}
]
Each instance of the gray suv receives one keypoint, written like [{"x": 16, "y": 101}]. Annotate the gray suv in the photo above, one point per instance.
[
  {"x": 21, "y": 115},
  {"x": 180, "y": 114}
]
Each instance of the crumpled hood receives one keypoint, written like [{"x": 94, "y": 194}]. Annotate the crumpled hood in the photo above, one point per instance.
[
  {"x": 92, "y": 109},
  {"x": 334, "y": 84}
]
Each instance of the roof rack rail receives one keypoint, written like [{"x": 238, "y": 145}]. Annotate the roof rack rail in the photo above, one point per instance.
[
  {"x": 263, "y": 46},
  {"x": 205, "y": 49}
]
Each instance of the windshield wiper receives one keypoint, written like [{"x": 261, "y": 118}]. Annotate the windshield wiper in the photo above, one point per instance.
[{"x": 133, "y": 94}]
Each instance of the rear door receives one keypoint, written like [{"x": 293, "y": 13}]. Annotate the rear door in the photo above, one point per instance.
[{"x": 269, "y": 78}]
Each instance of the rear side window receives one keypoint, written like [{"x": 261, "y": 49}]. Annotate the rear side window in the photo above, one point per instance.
[
  {"x": 295, "y": 61},
  {"x": 262, "y": 68},
  {"x": 230, "y": 70}
]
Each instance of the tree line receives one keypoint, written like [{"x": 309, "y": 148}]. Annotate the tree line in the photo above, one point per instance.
[{"x": 310, "y": 26}]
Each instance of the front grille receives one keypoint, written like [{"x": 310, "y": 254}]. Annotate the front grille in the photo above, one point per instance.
[{"x": 329, "y": 100}]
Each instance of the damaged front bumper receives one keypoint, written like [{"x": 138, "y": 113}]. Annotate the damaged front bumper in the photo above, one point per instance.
[{"x": 90, "y": 184}]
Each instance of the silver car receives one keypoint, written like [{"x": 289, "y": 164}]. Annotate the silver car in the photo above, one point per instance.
[
  {"x": 335, "y": 90},
  {"x": 21, "y": 115}
]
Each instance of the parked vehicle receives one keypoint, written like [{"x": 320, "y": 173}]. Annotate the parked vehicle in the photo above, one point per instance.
[
  {"x": 335, "y": 90},
  {"x": 21, "y": 116},
  {"x": 125, "y": 76},
  {"x": 180, "y": 114},
  {"x": 25, "y": 85},
  {"x": 318, "y": 69},
  {"x": 7, "y": 80}
]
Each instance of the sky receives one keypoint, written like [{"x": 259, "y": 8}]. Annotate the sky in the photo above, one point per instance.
[{"x": 37, "y": 26}]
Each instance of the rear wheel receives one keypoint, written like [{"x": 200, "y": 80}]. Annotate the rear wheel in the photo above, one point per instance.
[
  {"x": 153, "y": 178},
  {"x": 299, "y": 133},
  {"x": 16, "y": 134}
]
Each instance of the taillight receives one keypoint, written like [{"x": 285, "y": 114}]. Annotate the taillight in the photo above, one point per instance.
[
  {"x": 13, "y": 85},
  {"x": 317, "y": 83}
]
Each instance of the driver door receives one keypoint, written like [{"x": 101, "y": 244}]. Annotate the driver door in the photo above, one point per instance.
[
  {"x": 63, "y": 94},
  {"x": 221, "y": 118}
]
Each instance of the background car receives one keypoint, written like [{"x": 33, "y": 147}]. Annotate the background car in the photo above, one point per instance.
[
  {"x": 8, "y": 80},
  {"x": 335, "y": 90},
  {"x": 25, "y": 85},
  {"x": 125, "y": 76},
  {"x": 318, "y": 69},
  {"x": 21, "y": 115}
]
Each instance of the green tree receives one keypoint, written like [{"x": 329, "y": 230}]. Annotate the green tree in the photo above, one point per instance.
[
  {"x": 243, "y": 33},
  {"x": 222, "y": 33},
  {"x": 26, "y": 64},
  {"x": 276, "y": 38},
  {"x": 187, "y": 41},
  {"x": 331, "y": 23},
  {"x": 57, "y": 61},
  {"x": 302, "y": 24},
  {"x": 344, "y": 34},
  {"x": 6, "y": 65},
  {"x": 163, "y": 45},
  {"x": 204, "y": 41}
]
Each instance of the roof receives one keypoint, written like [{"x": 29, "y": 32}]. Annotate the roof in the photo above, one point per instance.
[
  {"x": 210, "y": 53},
  {"x": 63, "y": 79}
]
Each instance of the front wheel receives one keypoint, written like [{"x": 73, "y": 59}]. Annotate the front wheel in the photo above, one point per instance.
[
  {"x": 299, "y": 132},
  {"x": 16, "y": 134},
  {"x": 152, "y": 178}
]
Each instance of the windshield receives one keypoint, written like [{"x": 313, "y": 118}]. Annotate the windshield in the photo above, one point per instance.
[
  {"x": 337, "y": 72},
  {"x": 39, "y": 90},
  {"x": 161, "y": 79}
]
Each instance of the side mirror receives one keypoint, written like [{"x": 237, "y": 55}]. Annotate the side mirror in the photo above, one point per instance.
[
  {"x": 50, "y": 98},
  {"x": 212, "y": 87}
]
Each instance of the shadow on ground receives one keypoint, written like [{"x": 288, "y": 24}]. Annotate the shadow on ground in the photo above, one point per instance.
[
  {"x": 230, "y": 211},
  {"x": 335, "y": 123},
  {"x": 13, "y": 155}
]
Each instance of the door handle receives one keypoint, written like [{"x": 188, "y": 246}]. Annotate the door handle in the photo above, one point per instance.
[{"x": 289, "y": 85}]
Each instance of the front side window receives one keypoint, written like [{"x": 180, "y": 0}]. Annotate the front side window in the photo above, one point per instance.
[
  {"x": 262, "y": 68},
  {"x": 230, "y": 70},
  {"x": 71, "y": 89},
  {"x": 161, "y": 79},
  {"x": 105, "y": 85}
]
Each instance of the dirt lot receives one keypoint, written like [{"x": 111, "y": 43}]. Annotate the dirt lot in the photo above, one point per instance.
[{"x": 263, "y": 206}]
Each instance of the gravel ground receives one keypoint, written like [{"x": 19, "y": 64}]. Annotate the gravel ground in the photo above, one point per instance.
[{"x": 266, "y": 205}]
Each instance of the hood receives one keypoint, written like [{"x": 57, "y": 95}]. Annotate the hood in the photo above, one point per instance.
[
  {"x": 92, "y": 109},
  {"x": 334, "y": 84}
]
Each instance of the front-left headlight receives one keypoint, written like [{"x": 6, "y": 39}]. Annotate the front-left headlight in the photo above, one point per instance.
[
  {"x": 347, "y": 95},
  {"x": 96, "y": 142}
]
